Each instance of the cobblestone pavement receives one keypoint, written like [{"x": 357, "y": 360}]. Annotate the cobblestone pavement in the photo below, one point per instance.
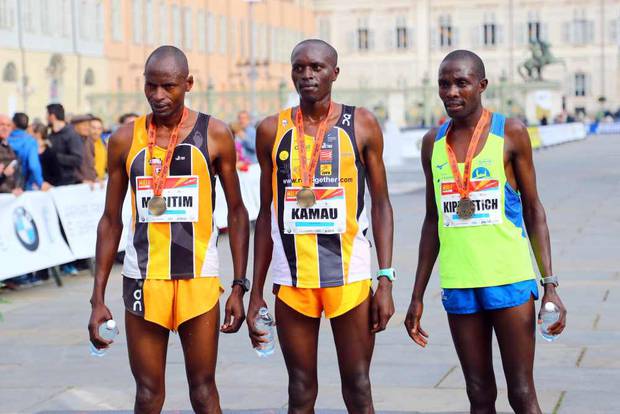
[{"x": 45, "y": 365}]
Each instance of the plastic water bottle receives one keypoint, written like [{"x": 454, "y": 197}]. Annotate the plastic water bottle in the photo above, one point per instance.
[
  {"x": 264, "y": 323},
  {"x": 107, "y": 330},
  {"x": 549, "y": 315}
]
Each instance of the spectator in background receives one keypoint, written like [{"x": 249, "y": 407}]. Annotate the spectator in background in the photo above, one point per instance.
[
  {"x": 101, "y": 152},
  {"x": 66, "y": 143},
  {"x": 26, "y": 148},
  {"x": 127, "y": 118},
  {"x": 9, "y": 164},
  {"x": 242, "y": 161},
  {"x": 52, "y": 173},
  {"x": 86, "y": 173},
  {"x": 247, "y": 136}
]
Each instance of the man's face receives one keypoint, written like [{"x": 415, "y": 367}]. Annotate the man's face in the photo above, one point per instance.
[
  {"x": 82, "y": 128},
  {"x": 244, "y": 119},
  {"x": 460, "y": 88},
  {"x": 165, "y": 87},
  {"x": 50, "y": 119},
  {"x": 96, "y": 129},
  {"x": 312, "y": 72},
  {"x": 6, "y": 126}
]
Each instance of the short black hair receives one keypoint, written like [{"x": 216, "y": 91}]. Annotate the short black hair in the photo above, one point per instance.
[
  {"x": 167, "y": 51},
  {"x": 462, "y": 54},
  {"x": 21, "y": 120},
  {"x": 123, "y": 118},
  {"x": 57, "y": 110},
  {"x": 331, "y": 51}
]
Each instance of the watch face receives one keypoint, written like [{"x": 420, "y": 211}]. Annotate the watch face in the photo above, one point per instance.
[{"x": 246, "y": 284}]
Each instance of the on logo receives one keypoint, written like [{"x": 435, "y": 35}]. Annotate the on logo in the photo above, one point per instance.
[
  {"x": 346, "y": 119},
  {"x": 137, "y": 304}
]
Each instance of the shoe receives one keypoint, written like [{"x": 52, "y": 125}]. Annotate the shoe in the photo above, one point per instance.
[{"x": 69, "y": 269}]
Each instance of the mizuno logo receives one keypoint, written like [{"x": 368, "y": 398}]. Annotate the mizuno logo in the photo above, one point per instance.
[
  {"x": 440, "y": 166},
  {"x": 179, "y": 158}
]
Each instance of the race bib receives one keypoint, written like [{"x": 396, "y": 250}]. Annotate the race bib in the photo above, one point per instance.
[
  {"x": 327, "y": 216},
  {"x": 180, "y": 193},
  {"x": 486, "y": 197}
]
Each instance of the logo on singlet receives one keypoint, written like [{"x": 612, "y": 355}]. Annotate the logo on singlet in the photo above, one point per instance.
[{"x": 346, "y": 119}]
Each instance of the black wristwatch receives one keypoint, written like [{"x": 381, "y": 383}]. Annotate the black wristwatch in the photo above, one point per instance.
[{"x": 244, "y": 283}]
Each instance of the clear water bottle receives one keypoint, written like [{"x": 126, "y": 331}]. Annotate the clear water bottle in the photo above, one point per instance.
[
  {"x": 549, "y": 315},
  {"x": 107, "y": 330},
  {"x": 265, "y": 323}
]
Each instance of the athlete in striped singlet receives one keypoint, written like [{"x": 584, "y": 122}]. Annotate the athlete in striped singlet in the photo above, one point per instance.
[
  {"x": 311, "y": 229},
  {"x": 169, "y": 160},
  {"x": 477, "y": 212}
]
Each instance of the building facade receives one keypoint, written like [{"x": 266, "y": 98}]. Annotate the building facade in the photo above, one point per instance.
[
  {"x": 390, "y": 50},
  {"x": 90, "y": 54}
]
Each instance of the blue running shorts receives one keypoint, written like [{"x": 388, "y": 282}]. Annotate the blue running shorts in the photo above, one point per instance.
[{"x": 472, "y": 300}]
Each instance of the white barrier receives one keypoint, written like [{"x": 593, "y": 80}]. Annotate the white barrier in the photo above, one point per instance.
[
  {"x": 30, "y": 237},
  {"x": 561, "y": 133},
  {"x": 608, "y": 128}
]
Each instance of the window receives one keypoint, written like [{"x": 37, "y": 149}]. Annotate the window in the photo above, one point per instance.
[
  {"x": 44, "y": 11},
  {"x": 117, "y": 21},
  {"x": 6, "y": 14},
  {"x": 150, "y": 17},
  {"x": 89, "y": 77},
  {"x": 201, "y": 31},
  {"x": 187, "y": 28},
  {"x": 163, "y": 23},
  {"x": 402, "y": 38},
  {"x": 27, "y": 16},
  {"x": 489, "y": 30},
  {"x": 580, "y": 84},
  {"x": 534, "y": 28},
  {"x": 9, "y": 74},
  {"x": 242, "y": 39},
  {"x": 363, "y": 35},
  {"x": 210, "y": 33},
  {"x": 176, "y": 26},
  {"x": 324, "y": 28},
  {"x": 66, "y": 13},
  {"x": 136, "y": 17},
  {"x": 223, "y": 34},
  {"x": 445, "y": 31},
  {"x": 579, "y": 31}
]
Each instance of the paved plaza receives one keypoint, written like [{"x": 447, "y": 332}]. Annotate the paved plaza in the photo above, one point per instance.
[{"x": 45, "y": 365}]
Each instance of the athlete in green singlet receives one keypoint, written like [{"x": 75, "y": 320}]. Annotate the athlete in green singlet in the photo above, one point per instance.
[{"x": 480, "y": 232}]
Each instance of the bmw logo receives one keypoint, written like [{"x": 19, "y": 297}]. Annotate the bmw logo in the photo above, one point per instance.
[{"x": 26, "y": 229}]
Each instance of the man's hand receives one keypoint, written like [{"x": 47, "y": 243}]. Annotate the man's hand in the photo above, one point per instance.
[
  {"x": 256, "y": 336},
  {"x": 412, "y": 323},
  {"x": 234, "y": 314},
  {"x": 98, "y": 315},
  {"x": 551, "y": 295},
  {"x": 382, "y": 306},
  {"x": 45, "y": 186},
  {"x": 18, "y": 191},
  {"x": 9, "y": 170}
]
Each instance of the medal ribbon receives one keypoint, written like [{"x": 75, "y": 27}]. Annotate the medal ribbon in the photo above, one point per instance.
[
  {"x": 463, "y": 182},
  {"x": 307, "y": 172},
  {"x": 159, "y": 178}
]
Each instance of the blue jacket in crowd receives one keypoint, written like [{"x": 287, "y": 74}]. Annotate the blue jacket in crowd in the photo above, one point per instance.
[{"x": 27, "y": 150}]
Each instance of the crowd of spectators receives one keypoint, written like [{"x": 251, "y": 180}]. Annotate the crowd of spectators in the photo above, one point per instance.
[{"x": 72, "y": 149}]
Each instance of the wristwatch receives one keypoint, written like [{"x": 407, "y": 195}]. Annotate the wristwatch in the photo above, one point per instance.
[
  {"x": 389, "y": 273},
  {"x": 243, "y": 282},
  {"x": 553, "y": 280}
]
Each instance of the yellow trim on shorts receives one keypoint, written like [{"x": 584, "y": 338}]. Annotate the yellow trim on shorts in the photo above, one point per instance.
[
  {"x": 334, "y": 301},
  {"x": 169, "y": 303}
]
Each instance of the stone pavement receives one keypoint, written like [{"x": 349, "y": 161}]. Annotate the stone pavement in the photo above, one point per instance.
[{"x": 45, "y": 365}]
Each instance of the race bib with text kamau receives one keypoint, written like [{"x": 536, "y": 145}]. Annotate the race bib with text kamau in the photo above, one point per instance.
[
  {"x": 181, "y": 196},
  {"x": 327, "y": 216},
  {"x": 486, "y": 197}
]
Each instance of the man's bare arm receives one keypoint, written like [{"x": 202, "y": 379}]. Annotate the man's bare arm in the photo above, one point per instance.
[
  {"x": 225, "y": 165},
  {"x": 263, "y": 244},
  {"x": 428, "y": 249},
  {"x": 519, "y": 150},
  {"x": 110, "y": 228},
  {"x": 371, "y": 139}
]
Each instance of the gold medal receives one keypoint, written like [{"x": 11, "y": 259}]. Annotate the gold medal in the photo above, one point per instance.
[
  {"x": 305, "y": 198},
  {"x": 465, "y": 208},
  {"x": 157, "y": 206}
]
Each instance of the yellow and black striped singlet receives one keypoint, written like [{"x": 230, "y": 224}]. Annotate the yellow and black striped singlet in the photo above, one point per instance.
[
  {"x": 320, "y": 260},
  {"x": 177, "y": 250}
]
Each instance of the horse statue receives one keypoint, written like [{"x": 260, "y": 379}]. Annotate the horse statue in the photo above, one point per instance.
[{"x": 531, "y": 69}]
